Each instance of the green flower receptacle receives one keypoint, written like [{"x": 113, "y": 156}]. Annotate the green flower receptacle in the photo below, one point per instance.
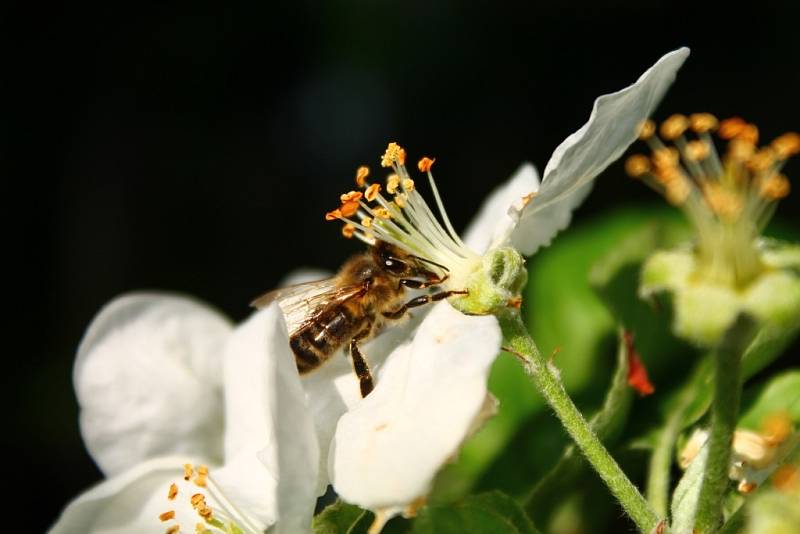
[{"x": 704, "y": 309}]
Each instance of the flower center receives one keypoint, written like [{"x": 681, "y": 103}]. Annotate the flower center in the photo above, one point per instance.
[
  {"x": 728, "y": 199},
  {"x": 217, "y": 513},
  {"x": 403, "y": 218}
]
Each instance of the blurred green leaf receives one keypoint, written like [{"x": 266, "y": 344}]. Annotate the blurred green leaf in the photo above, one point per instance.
[
  {"x": 781, "y": 393},
  {"x": 477, "y": 514},
  {"x": 341, "y": 518}
]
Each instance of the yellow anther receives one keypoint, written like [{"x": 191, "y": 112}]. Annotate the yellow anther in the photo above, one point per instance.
[
  {"x": 173, "y": 492},
  {"x": 206, "y": 513},
  {"x": 527, "y": 198},
  {"x": 382, "y": 213},
  {"x": 400, "y": 200},
  {"x": 366, "y": 222},
  {"x": 787, "y": 145},
  {"x": 166, "y": 516},
  {"x": 637, "y": 165},
  {"x": 647, "y": 129},
  {"x": 351, "y": 196},
  {"x": 703, "y": 122},
  {"x": 408, "y": 184},
  {"x": 745, "y": 487},
  {"x": 348, "y": 230},
  {"x": 349, "y": 208},
  {"x": 762, "y": 160},
  {"x": 724, "y": 203},
  {"x": 674, "y": 126},
  {"x": 188, "y": 471},
  {"x": 361, "y": 175},
  {"x": 330, "y": 216},
  {"x": 200, "y": 480},
  {"x": 202, "y": 469},
  {"x": 677, "y": 191},
  {"x": 174, "y": 529},
  {"x": 697, "y": 150},
  {"x": 775, "y": 187},
  {"x": 392, "y": 184},
  {"x": 197, "y": 500},
  {"x": 740, "y": 150},
  {"x": 425, "y": 164},
  {"x": 749, "y": 133},
  {"x": 730, "y": 128},
  {"x": 666, "y": 157},
  {"x": 776, "y": 427},
  {"x": 372, "y": 192},
  {"x": 394, "y": 154},
  {"x": 200, "y": 528}
]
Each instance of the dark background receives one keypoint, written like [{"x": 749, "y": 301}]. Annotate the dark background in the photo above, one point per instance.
[{"x": 196, "y": 149}]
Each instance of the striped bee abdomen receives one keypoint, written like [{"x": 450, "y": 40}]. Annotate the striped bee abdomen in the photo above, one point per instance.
[{"x": 324, "y": 335}]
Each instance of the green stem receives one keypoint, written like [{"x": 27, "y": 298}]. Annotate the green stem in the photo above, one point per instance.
[
  {"x": 727, "y": 360},
  {"x": 658, "y": 479},
  {"x": 546, "y": 379}
]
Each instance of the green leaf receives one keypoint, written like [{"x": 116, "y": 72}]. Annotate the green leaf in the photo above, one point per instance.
[
  {"x": 781, "y": 393},
  {"x": 686, "y": 498},
  {"x": 477, "y": 514},
  {"x": 341, "y": 518}
]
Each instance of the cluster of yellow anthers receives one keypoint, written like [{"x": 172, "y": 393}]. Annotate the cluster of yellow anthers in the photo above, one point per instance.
[
  {"x": 753, "y": 454},
  {"x": 199, "y": 477},
  {"x": 396, "y": 213},
  {"x": 741, "y": 184}
]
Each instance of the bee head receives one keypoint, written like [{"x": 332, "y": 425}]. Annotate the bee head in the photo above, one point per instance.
[{"x": 400, "y": 263}]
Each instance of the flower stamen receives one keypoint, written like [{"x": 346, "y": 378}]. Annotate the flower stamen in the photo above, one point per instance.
[
  {"x": 729, "y": 199},
  {"x": 218, "y": 513},
  {"x": 402, "y": 217}
]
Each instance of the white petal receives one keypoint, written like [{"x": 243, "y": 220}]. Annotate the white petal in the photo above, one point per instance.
[
  {"x": 612, "y": 127},
  {"x": 388, "y": 448},
  {"x": 129, "y": 502},
  {"x": 267, "y": 416},
  {"x": 494, "y": 222},
  {"x": 147, "y": 378},
  {"x": 333, "y": 388}
]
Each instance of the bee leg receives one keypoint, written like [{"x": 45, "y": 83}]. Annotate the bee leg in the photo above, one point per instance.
[
  {"x": 360, "y": 365},
  {"x": 420, "y": 301},
  {"x": 419, "y": 284}
]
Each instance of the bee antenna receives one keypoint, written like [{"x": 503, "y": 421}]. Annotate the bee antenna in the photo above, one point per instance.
[{"x": 431, "y": 262}]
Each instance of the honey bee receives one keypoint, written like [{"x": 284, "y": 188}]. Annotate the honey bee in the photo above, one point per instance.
[{"x": 347, "y": 309}]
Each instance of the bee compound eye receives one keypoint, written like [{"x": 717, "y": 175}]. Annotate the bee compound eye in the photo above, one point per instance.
[{"x": 393, "y": 265}]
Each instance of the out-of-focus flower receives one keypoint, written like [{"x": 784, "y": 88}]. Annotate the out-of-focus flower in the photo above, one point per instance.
[
  {"x": 164, "y": 383},
  {"x": 729, "y": 269},
  {"x": 431, "y": 393},
  {"x": 776, "y": 510},
  {"x": 754, "y": 455}
]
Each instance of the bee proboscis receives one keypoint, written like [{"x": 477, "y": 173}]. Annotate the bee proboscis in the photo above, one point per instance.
[{"x": 369, "y": 289}]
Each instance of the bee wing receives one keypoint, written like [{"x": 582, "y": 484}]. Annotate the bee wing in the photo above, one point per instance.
[{"x": 302, "y": 302}]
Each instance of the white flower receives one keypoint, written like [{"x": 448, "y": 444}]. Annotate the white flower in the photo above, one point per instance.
[
  {"x": 154, "y": 376},
  {"x": 431, "y": 392},
  {"x": 728, "y": 269}
]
